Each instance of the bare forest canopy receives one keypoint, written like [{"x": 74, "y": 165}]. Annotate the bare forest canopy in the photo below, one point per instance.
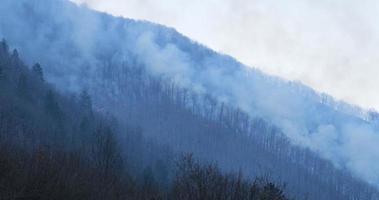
[{"x": 160, "y": 95}]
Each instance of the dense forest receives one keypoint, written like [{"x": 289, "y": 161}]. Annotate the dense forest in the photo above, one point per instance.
[
  {"x": 216, "y": 131},
  {"x": 58, "y": 147},
  {"x": 119, "y": 108}
]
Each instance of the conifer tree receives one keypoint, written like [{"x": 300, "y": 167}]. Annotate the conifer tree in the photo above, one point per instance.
[
  {"x": 22, "y": 86},
  {"x": 52, "y": 106},
  {"x": 37, "y": 71},
  {"x": 4, "y": 49}
]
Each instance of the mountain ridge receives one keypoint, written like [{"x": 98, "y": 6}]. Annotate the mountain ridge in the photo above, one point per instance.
[{"x": 84, "y": 49}]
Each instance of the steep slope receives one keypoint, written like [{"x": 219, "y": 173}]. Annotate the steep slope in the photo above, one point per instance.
[
  {"x": 55, "y": 147},
  {"x": 46, "y": 149},
  {"x": 193, "y": 99}
]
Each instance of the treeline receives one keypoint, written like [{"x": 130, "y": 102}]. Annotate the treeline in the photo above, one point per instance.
[
  {"x": 58, "y": 147},
  {"x": 55, "y": 175},
  {"x": 108, "y": 62}
]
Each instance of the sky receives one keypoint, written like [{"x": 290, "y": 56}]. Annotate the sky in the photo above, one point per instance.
[{"x": 329, "y": 45}]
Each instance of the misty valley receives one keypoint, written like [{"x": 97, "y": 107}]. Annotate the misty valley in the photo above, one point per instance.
[{"x": 99, "y": 107}]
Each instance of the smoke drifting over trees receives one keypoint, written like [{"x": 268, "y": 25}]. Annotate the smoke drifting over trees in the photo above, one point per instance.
[
  {"x": 54, "y": 147},
  {"x": 179, "y": 96}
]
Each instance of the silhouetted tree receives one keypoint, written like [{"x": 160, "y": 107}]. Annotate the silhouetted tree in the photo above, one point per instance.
[
  {"x": 22, "y": 86},
  {"x": 4, "y": 48},
  {"x": 52, "y": 106},
  {"x": 37, "y": 71},
  {"x": 2, "y": 75},
  {"x": 15, "y": 57},
  {"x": 196, "y": 182},
  {"x": 271, "y": 192}
]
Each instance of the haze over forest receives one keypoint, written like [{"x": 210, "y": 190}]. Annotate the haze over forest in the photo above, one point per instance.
[{"x": 94, "y": 106}]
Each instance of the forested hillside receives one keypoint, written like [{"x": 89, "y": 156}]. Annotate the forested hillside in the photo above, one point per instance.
[
  {"x": 58, "y": 147},
  {"x": 134, "y": 96},
  {"x": 66, "y": 131},
  {"x": 216, "y": 131}
]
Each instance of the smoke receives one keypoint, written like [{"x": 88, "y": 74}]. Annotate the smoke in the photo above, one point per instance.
[
  {"x": 330, "y": 45},
  {"x": 337, "y": 134},
  {"x": 72, "y": 43}
]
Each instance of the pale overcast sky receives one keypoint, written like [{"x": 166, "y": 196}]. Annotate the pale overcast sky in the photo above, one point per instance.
[{"x": 330, "y": 45}]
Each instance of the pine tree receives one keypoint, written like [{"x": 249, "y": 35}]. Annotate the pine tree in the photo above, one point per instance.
[
  {"x": 270, "y": 191},
  {"x": 37, "y": 71},
  {"x": 15, "y": 55},
  {"x": 52, "y": 106},
  {"x": 15, "y": 58},
  {"x": 2, "y": 77},
  {"x": 22, "y": 86},
  {"x": 1, "y": 73},
  {"x": 4, "y": 49},
  {"x": 4, "y": 55}
]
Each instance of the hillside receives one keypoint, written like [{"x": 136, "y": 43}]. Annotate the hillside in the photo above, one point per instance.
[
  {"x": 188, "y": 98},
  {"x": 55, "y": 147}
]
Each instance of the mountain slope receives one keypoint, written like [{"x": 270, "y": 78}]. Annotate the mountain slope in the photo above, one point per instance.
[
  {"x": 150, "y": 75},
  {"x": 55, "y": 147}
]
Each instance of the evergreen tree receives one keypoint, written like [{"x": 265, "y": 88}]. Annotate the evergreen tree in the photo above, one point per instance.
[
  {"x": 271, "y": 192},
  {"x": 1, "y": 73},
  {"x": 15, "y": 55},
  {"x": 37, "y": 71},
  {"x": 4, "y": 49},
  {"x": 52, "y": 106},
  {"x": 15, "y": 58},
  {"x": 2, "y": 77},
  {"x": 22, "y": 86}
]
